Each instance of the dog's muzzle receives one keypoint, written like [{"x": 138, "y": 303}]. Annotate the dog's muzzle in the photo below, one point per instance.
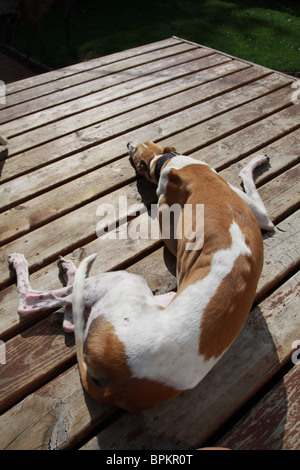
[{"x": 131, "y": 146}]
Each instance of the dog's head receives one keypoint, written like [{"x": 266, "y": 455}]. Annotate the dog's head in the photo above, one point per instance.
[{"x": 143, "y": 154}]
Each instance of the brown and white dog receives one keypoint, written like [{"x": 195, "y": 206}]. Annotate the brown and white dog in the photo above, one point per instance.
[{"x": 135, "y": 349}]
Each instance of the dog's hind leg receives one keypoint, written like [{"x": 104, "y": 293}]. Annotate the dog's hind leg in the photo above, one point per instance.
[
  {"x": 30, "y": 300},
  {"x": 251, "y": 195},
  {"x": 67, "y": 270},
  {"x": 250, "y": 188}
]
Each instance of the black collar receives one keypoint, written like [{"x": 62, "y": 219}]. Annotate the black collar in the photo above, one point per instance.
[{"x": 161, "y": 161}]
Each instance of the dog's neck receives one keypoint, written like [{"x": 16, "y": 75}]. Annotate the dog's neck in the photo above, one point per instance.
[{"x": 161, "y": 161}]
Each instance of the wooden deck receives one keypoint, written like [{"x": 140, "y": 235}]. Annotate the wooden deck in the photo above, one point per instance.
[{"x": 67, "y": 132}]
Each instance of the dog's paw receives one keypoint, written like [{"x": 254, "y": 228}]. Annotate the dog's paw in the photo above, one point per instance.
[
  {"x": 67, "y": 270},
  {"x": 17, "y": 258},
  {"x": 261, "y": 159},
  {"x": 65, "y": 266},
  {"x": 68, "y": 324},
  {"x": 62, "y": 264},
  {"x": 3, "y": 140}
]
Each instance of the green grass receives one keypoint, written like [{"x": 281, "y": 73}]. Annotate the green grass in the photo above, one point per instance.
[{"x": 266, "y": 32}]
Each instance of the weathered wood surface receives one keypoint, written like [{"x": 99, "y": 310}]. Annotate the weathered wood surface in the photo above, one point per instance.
[
  {"x": 67, "y": 133},
  {"x": 273, "y": 422}
]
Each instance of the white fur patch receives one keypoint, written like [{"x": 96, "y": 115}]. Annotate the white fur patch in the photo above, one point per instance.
[
  {"x": 176, "y": 163},
  {"x": 258, "y": 209},
  {"x": 163, "y": 346},
  {"x": 154, "y": 160}
]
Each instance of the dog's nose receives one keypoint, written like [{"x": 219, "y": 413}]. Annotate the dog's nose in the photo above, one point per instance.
[{"x": 131, "y": 146}]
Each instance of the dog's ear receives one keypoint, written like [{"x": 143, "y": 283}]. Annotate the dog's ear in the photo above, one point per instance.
[
  {"x": 141, "y": 166},
  {"x": 169, "y": 149}
]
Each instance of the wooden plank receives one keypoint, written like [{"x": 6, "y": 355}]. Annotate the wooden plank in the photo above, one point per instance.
[
  {"x": 94, "y": 114},
  {"x": 269, "y": 353},
  {"x": 15, "y": 165},
  {"x": 183, "y": 76},
  {"x": 237, "y": 122},
  {"x": 85, "y": 79},
  {"x": 186, "y": 422},
  {"x": 283, "y": 152},
  {"x": 58, "y": 415},
  {"x": 273, "y": 423},
  {"x": 34, "y": 357},
  {"x": 99, "y": 118},
  {"x": 56, "y": 173},
  {"x": 44, "y": 243},
  {"x": 227, "y": 150},
  {"x": 283, "y": 202},
  {"x": 90, "y": 64},
  {"x": 107, "y": 82}
]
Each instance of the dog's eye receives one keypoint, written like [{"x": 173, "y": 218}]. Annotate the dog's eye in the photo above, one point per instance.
[{"x": 100, "y": 381}]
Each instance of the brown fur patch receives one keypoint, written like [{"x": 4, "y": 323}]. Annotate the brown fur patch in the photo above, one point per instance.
[
  {"x": 105, "y": 355},
  {"x": 227, "y": 311}
]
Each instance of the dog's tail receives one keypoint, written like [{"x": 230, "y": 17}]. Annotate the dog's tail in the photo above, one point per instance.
[{"x": 78, "y": 309}]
